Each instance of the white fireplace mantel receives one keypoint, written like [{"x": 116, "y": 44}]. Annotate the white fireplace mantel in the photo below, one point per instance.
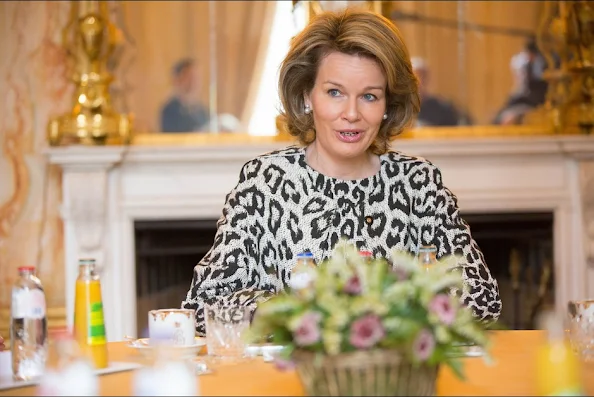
[{"x": 106, "y": 189}]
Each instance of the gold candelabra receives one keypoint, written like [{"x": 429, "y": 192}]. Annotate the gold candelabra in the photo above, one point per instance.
[
  {"x": 90, "y": 40},
  {"x": 566, "y": 39}
]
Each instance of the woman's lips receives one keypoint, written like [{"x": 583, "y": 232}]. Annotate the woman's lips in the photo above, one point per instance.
[{"x": 350, "y": 136}]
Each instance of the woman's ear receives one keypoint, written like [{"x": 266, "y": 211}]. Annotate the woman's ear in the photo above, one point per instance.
[{"x": 306, "y": 100}]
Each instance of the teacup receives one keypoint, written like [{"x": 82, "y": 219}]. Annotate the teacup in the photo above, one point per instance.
[{"x": 172, "y": 326}]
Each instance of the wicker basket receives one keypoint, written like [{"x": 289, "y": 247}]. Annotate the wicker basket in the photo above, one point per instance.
[{"x": 363, "y": 373}]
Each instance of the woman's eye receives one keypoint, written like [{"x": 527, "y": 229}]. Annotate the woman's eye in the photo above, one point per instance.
[
  {"x": 333, "y": 92},
  {"x": 369, "y": 97}
]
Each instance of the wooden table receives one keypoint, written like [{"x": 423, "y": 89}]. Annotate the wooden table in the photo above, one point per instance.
[{"x": 512, "y": 373}]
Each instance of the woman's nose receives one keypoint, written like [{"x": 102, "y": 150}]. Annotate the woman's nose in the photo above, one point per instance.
[{"x": 351, "y": 110}]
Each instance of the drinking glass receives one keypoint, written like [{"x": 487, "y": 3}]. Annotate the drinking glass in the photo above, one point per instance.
[
  {"x": 226, "y": 327},
  {"x": 581, "y": 327}
]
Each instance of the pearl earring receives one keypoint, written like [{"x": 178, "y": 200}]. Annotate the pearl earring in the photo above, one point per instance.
[
  {"x": 385, "y": 116},
  {"x": 307, "y": 109}
]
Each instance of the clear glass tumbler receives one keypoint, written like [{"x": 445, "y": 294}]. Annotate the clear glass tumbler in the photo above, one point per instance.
[
  {"x": 226, "y": 329},
  {"x": 581, "y": 327}
]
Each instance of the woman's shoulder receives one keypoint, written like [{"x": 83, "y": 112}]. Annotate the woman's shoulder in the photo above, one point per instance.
[
  {"x": 279, "y": 157},
  {"x": 413, "y": 170},
  {"x": 394, "y": 157},
  {"x": 282, "y": 160}
]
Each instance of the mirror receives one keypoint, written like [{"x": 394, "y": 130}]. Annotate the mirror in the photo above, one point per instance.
[{"x": 212, "y": 66}]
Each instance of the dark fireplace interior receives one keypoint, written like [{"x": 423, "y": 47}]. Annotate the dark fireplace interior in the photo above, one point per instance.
[
  {"x": 166, "y": 253},
  {"x": 517, "y": 248}
]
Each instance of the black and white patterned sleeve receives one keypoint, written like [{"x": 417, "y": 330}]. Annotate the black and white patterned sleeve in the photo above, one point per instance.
[
  {"x": 229, "y": 272},
  {"x": 452, "y": 236}
]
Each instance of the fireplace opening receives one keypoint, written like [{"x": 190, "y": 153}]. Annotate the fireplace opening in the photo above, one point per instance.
[
  {"x": 518, "y": 248},
  {"x": 166, "y": 253}
]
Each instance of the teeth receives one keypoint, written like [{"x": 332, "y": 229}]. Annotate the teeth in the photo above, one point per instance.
[{"x": 349, "y": 133}]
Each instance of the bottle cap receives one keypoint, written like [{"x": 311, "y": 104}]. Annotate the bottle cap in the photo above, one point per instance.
[
  {"x": 26, "y": 268},
  {"x": 306, "y": 254},
  {"x": 428, "y": 248}
]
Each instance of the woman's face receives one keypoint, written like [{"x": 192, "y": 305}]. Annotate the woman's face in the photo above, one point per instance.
[{"x": 348, "y": 102}]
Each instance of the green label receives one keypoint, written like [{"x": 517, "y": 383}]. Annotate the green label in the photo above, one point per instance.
[{"x": 96, "y": 334}]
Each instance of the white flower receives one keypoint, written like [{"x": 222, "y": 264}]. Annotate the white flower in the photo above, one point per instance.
[{"x": 331, "y": 340}]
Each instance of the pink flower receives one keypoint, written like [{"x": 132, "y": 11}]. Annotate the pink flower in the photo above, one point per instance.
[
  {"x": 442, "y": 307},
  {"x": 353, "y": 286},
  {"x": 366, "y": 331},
  {"x": 423, "y": 345},
  {"x": 308, "y": 331}
]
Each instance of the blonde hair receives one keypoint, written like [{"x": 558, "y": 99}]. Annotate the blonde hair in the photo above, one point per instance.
[{"x": 352, "y": 32}]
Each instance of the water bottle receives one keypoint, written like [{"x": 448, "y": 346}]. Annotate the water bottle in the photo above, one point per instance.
[
  {"x": 427, "y": 256},
  {"x": 303, "y": 273},
  {"x": 28, "y": 326}
]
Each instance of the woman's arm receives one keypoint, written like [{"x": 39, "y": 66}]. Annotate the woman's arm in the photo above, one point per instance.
[
  {"x": 230, "y": 273},
  {"x": 452, "y": 236}
]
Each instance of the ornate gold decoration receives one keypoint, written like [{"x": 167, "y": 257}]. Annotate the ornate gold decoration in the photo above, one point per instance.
[
  {"x": 566, "y": 39},
  {"x": 90, "y": 40}
]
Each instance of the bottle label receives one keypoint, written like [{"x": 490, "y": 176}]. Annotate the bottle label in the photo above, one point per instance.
[
  {"x": 96, "y": 334},
  {"x": 28, "y": 303}
]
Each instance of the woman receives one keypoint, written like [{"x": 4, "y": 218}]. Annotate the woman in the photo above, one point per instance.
[{"x": 347, "y": 87}]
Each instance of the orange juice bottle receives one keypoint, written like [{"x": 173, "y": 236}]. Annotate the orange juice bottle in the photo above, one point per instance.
[{"x": 89, "y": 324}]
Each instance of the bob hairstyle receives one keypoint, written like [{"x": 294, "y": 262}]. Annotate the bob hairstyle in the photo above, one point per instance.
[{"x": 352, "y": 32}]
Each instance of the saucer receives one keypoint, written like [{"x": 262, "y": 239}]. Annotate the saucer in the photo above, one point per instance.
[
  {"x": 268, "y": 351},
  {"x": 143, "y": 346}
]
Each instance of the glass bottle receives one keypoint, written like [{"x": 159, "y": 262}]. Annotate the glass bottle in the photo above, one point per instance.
[
  {"x": 303, "y": 273},
  {"x": 366, "y": 255},
  {"x": 427, "y": 256},
  {"x": 558, "y": 369},
  {"x": 89, "y": 324},
  {"x": 69, "y": 373},
  {"x": 28, "y": 326}
]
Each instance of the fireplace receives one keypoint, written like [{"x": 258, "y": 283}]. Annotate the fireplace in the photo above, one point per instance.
[{"x": 108, "y": 190}]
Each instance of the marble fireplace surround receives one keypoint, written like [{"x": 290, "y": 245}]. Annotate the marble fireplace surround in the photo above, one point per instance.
[{"x": 106, "y": 189}]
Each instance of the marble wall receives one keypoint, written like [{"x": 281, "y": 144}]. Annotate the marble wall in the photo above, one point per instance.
[{"x": 33, "y": 87}]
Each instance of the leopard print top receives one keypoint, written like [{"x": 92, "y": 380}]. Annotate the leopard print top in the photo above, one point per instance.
[{"x": 281, "y": 207}]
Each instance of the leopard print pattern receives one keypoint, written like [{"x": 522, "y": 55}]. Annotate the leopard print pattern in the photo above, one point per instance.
[{"x": 281, "y": 207}]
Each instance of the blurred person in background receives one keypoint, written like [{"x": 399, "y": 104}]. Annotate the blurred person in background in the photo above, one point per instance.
[
  {"x": 435, "y": 111},
  {"x": 529, "y": 90},
  {"x": 183, "y": 112}
]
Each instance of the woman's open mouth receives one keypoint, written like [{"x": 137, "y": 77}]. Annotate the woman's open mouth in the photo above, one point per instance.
[{"x": 350, "y": 136}]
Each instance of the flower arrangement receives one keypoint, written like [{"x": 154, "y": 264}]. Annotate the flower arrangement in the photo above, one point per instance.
[{"x": 355, "y": 304}]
